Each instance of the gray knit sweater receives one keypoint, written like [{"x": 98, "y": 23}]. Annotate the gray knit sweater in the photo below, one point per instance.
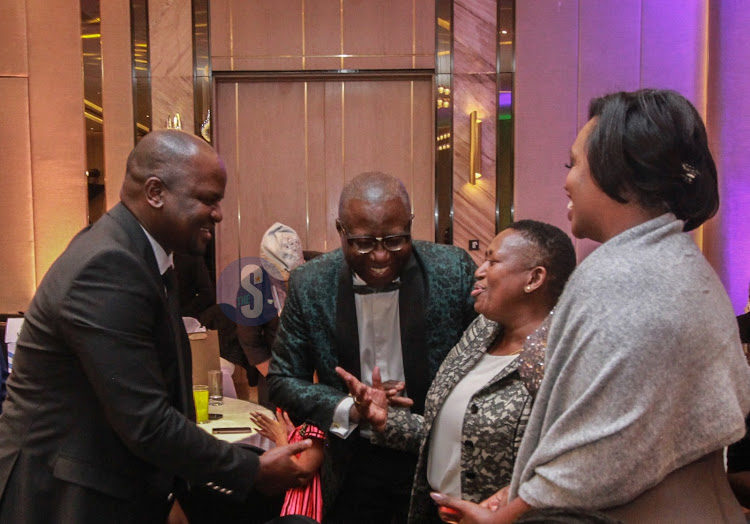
[{"x": 644, "y": 373}]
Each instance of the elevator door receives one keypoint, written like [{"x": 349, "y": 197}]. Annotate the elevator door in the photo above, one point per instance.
[{"x": 290, "y": 146}]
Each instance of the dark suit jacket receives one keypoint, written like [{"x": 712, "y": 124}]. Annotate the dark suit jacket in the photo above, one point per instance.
[
  {"x": 318, "y": 331},
  {"x": 97, "y": 425}
]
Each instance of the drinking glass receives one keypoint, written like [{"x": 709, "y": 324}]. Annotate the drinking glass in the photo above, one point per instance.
[
  {"x": 200, "y": 397},
  {"x": 215, "y": 391}
]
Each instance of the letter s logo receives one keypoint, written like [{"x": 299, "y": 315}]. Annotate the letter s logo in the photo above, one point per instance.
[{"x": 250, "y": 275}]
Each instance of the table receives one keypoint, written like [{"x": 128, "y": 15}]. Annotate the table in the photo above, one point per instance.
[{"x": 236, "y": 414}]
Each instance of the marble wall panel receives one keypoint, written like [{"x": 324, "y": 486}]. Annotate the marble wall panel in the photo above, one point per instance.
[
  {"x": 171, "y": 95},
  {"x": 474, "y": 204},
  {"x": 171, "y": 55},
  {"x": 474, "y": 89}
]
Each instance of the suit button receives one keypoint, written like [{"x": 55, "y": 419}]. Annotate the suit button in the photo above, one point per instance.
[
  {"x": 469, "y": 444},
  {"x": 474, "y": 409},
  {"x": 471, "y": 475}
]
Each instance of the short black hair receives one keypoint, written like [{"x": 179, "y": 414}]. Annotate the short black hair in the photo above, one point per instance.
[
  {"x": 554, "y": 251},
  {"x": 651, "y": 145}
]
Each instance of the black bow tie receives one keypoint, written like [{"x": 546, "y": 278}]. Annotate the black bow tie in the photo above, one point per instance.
[{"x": 367, "y": 290}]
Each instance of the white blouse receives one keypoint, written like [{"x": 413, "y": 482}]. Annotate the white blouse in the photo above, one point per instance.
[{"x": 444, "y": 460}]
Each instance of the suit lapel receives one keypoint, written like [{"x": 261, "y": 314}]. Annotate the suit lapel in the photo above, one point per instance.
[
  {"x": 181, "y": 391},
  {"x": 347, "y": 334},
  {"x": 411, "y": 302},
  {"x": 182, "y": 345}
]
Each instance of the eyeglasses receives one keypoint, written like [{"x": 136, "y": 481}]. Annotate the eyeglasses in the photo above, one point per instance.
[{"x": 364, "y": 245}]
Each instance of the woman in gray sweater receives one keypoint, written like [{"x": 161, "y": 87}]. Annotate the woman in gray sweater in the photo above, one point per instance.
[{"x": 645, "y": 379}]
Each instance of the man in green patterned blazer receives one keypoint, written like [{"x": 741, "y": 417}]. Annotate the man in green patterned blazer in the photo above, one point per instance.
[{"x": 382, "y": 300}]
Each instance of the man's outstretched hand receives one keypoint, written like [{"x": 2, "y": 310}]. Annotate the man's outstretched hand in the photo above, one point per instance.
[{"x": 278, "y": 472}]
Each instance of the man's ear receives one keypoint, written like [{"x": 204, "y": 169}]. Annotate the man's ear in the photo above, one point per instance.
[{"x": 154, "y": 189}]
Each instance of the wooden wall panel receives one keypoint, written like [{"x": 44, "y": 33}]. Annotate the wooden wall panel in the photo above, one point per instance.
[
  {"x": 380, "y": 121},
  {"x": 322, "y": 35},
  {"x": 380, "y": 35},
  {"x": 323, "y": 39},
  {"x": 226, "y": 141},
  {"x": 334, "y": 156},
  {"x": 424, "y": 35},
  {"x": 117, "y": 94},
  {"x": 319, "y": 215},
  {"x": 14, "y": 59},
  {"x": 220, "y": 23},
  {"x": 17, "y": 279},
  {"x": 263, "y": 36},
  {"x": 291, "y": 146},
  {"x": 56, "y": 127},
  {"x": 421, "y": 185},
  {"x": 272, "y": 159}
]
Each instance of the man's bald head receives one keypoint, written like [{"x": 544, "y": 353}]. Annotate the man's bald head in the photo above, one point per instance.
[
  {"x": 374, "y": 188},
  {"x": 173, "y": 184},
  {"x": 161, "y": 154}
]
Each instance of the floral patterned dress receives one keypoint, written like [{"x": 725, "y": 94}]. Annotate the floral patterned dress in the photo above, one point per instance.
[{"x": 305, "y": 500}]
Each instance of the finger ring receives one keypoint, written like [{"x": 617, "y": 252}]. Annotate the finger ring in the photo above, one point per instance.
[{"x": 357, "y": 402}]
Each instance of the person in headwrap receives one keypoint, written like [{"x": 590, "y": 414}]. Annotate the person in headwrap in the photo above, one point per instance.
[{"x": 280, "y": 253}]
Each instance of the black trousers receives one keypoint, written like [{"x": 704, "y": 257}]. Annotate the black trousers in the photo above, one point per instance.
[{"x": 377, "y": 486}]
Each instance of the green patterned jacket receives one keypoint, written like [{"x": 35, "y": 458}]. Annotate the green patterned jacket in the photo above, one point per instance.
[{"x": 318, "y": 331}]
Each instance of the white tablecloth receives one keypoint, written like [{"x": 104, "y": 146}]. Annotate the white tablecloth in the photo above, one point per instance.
[{"x": 236, "y": 413}]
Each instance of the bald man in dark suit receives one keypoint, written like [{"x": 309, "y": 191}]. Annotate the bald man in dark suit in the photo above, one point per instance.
[{"x": 99, "y": 424}]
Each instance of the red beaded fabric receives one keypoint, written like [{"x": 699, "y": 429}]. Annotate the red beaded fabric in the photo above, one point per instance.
[{"x": 307, "y": 500}]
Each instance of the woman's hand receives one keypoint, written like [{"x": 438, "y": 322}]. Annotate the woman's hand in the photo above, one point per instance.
[
  {"x": 277, "y": 429},
  {"x": 496, "y": 500},
  {"x": 453, "y": 509},
  {"x": 372, "y": 402}
]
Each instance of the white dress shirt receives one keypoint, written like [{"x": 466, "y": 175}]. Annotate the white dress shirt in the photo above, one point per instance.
[
  {"x": 444, "y": 458},
  {"x": 163, "y": 260},
  {"x": 379, "y": 330}
]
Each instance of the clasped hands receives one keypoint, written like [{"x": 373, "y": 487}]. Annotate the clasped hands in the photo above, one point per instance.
[{"x": 371, "y": 402}]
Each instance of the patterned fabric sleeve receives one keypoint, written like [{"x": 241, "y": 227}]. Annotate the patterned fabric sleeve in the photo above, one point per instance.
[{"x": 403, "y": 431}]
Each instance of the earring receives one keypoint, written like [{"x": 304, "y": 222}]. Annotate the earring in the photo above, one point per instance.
[{"x": 528, "y": 289}]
